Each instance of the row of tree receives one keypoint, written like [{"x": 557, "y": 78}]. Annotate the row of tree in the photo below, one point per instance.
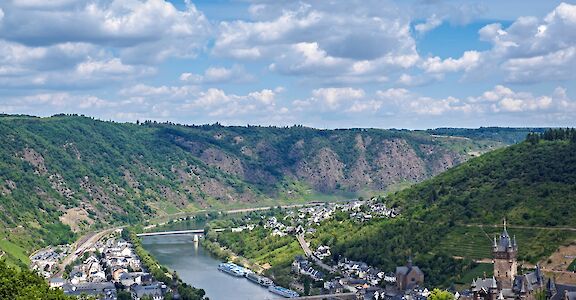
[{"x": 555, "y": 134}]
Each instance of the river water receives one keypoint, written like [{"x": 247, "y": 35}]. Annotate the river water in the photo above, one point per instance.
[{"x": 196, "y": 267}]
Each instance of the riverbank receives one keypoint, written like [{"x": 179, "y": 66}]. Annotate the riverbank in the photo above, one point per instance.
[
  {"x": 161, "y": 273},
  {"x": 220, "y": 252}
]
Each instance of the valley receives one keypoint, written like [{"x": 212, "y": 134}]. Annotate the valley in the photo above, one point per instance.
[
  {"x": 306, "y": 221},
  {"x": 65, "y": 175}
]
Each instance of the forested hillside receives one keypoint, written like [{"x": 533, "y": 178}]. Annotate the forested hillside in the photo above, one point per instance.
[
  {"x": 532, "y": 184},
  {"x": 65, "y": 174}
]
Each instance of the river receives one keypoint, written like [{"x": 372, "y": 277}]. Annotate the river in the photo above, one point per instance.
[{"x": 196, "y": 267}]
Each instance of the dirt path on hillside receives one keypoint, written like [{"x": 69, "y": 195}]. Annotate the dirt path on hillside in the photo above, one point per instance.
[{"x": 557, "y": 264}]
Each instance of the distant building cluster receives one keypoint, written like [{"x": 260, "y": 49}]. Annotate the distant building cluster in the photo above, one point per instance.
[
  {"x": 304, "y": 219},
  {"x": 113, "y": 266},
  {"x": 46, "y": 260}
]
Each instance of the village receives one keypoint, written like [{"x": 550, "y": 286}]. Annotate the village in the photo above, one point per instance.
[
  {"x": 347, "y": 276},
  {"x": 105, "y": 271}
]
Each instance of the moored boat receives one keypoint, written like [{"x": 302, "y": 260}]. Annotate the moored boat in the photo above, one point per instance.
[
  {"x": 232, "y": 269},
  {"x": 261, "y": 280},
  {"x": 284, "y": 292}
]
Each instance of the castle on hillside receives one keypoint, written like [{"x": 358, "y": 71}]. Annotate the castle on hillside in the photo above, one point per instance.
[{"x": 507, "y": 284}]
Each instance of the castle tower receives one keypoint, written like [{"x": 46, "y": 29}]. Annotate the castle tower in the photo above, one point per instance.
[{"x": 504, "y": 251}]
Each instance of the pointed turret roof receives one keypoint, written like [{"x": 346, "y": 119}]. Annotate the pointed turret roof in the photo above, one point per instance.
[
  {"x": 494, "y": 285},
  {"x": 505, "y": 243}
]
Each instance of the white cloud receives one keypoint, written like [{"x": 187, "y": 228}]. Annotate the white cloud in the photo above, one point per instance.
[
  {"x": 193, "y": 101},
  {"x": 499, "y": 100},
  {"x": 333, "y": 98},
  {"x": 533, "y": 49},
  {"x": 504, "y": 99},
  {"x": 370, "y": 106},
  {"x": 558, "y": 65},
  {"x": 431, "y": 23},
  {"x": 166, "y": 92},
  {"x": 354, "y": 39},
  {"x": 236, "y": 74},
  {"x": 419, "y": 79},
  {"x": 468, "y": 61},
  {"x": 149, "y": 30},
  {"x": 93, "y": 44},
  {"x": 111, "y": 66},
  {"x": 407, "y": 103}
]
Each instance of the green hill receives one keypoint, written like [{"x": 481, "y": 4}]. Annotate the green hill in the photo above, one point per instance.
[
  {"x": 68, "y": 174},
  {"x": 532, "y": 184}
]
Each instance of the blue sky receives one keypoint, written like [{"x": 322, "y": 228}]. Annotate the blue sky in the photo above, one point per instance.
[{"x": 327, "y": 64}]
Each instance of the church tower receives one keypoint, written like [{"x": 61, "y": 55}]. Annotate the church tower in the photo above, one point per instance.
[{"x": 504, "y": 251}]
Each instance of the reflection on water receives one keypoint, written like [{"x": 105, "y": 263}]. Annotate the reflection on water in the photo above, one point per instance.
[{"x": 196, "y": 267}]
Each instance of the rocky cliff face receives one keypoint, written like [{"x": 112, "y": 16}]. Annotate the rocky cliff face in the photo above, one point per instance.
[{"x": 368, "y": 162}]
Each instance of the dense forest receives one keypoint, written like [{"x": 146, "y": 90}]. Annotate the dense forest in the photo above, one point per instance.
[{"x": 67, "y": 174}]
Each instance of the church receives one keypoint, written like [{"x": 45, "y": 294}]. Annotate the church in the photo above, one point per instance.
[{"x": 507, "y": 284}]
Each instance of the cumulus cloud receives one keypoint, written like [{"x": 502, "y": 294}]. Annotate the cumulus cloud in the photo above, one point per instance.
[
  {"x": 407, "y": 102},
  {"x": 142, "y": 30},
  {"x": 431, "y": 23},
  {"x": 405, "y": 105},
  {"x": 533, "y": 49},
  {"x": 68, "y": 65},
  {"x": 530, "y": 50},
  {"x": 193, "y": 101},
  {"x": 314, "y": 39},
  {"x": 504, "y": 99},
  {"x": 80, "y": 44},
  {"x": 468, "y": 61},
  {"x": 333, "y": 98},
  {"x": 235, "y": 74}
]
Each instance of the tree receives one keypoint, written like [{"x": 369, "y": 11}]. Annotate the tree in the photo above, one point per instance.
[
  {"x": 438, "y": 294},
  {"x": 124, "y": 295},
  {"x": 306, "y": 282}
]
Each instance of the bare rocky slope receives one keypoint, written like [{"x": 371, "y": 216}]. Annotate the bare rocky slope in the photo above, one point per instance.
[{"x": 65, "y": 174}]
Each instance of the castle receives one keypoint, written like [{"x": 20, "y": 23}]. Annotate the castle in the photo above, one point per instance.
[{"x": 506, "y": 284}]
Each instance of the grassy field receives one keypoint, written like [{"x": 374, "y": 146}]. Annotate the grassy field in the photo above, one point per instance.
[
  {"x": 13, "y": 252},
  {"x": 476, "y": 242}
]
